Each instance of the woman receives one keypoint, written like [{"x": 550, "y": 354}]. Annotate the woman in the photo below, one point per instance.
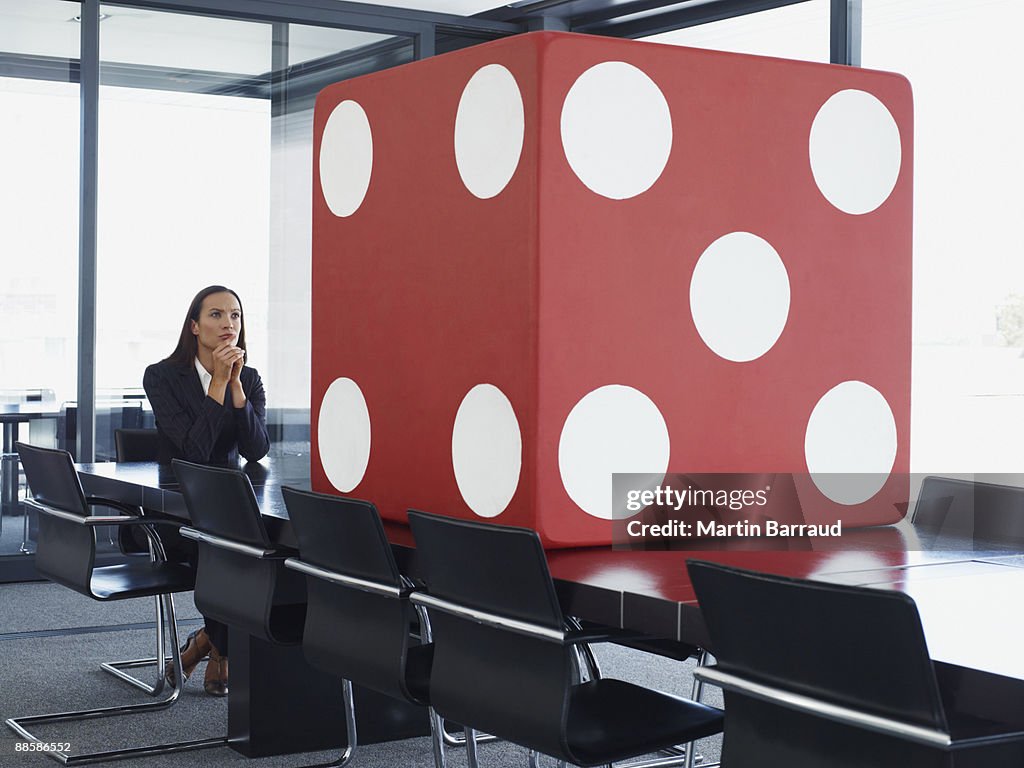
[{"x": 210, "y": 408}]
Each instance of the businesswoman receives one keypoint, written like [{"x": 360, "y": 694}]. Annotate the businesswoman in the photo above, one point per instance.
[{"x": 210, "y": 408}]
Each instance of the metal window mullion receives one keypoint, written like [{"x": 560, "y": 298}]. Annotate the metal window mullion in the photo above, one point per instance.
[
  {"x": 89, "y": 90},
  {"x": 845, "y": 32},
  {"x": 425, "y": 43},
  {"x": 278, "y": 80},
  {"x": 365, "y": 17}
]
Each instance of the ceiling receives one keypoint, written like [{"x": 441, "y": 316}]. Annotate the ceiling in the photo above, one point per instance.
[
  {"x": 178, "y": 45},
  {"x": 159, "y": 38}
]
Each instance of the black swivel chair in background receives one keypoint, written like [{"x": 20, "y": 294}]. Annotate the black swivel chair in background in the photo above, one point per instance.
[
  {"x": 136, "y": 445},
  {"x": 828, "y": 676},
  {"x": 66, "y": 554},
  {"x": 968, "y": 515},
  {"x": 504, "y": 661},
  {"x": 359, "y": 617},
  {"x": 111, "y": 415}
]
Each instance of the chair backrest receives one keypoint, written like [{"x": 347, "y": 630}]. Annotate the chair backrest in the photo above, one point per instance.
[
  {"x": 65, "y": 550},
  {"x": 110, "y": 415},
  {"x": 508, "y": 683},
  {"x": 136, "y": 444},
  {"x": 859, "y": 648},
  {"x": 237, "y": 587},
  {"x": 346, "y": 537},
  {"x": 964, "y": 513}
]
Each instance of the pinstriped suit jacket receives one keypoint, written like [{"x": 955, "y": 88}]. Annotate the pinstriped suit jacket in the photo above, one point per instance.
[{"x": 195, "y": 427}]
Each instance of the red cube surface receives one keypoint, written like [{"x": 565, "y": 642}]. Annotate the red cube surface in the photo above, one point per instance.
[{"x": 552, "y": 257}]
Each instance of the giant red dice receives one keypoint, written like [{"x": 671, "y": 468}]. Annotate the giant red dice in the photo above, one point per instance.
[{"x": 553, "y": 257}]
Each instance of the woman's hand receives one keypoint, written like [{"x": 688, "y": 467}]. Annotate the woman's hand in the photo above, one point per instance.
[
  {"x": 227, "y": 362},
  {"x": 236, "y": 368}
]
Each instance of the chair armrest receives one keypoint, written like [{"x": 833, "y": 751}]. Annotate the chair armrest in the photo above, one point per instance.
[
  {"x": 100, "y": 501},
  {"x": 132, "y": 509},
  {"x": 603, "y": 635},
  {"x": 87, "y": 520},
  {"x": 234, "y": 546},
  {"x": 363, "y": 585},
  {"x": 432, "y": 603},
  {"x": 931, "y": 737}
]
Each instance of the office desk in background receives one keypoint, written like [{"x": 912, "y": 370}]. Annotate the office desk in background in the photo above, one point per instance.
[
  {"x": 12, "y": 416},
  {"x": 969, "y": 601}
]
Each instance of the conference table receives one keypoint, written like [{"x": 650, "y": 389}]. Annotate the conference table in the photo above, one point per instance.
[{"x": 969, "y": 598}]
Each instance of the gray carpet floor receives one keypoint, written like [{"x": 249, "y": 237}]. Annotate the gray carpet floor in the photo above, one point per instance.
[{"x": 52, "y": 642}]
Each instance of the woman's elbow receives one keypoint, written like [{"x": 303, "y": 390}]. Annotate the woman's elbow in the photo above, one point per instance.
[
  {"x": 256, "y": 447},
  {"x": 255, "y": 452}
]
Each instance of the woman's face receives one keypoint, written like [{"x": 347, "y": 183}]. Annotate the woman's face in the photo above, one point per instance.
[{"x": 220, "y": 320}]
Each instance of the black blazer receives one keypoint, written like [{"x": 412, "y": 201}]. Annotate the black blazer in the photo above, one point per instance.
[{"x": 195, "y": 427}]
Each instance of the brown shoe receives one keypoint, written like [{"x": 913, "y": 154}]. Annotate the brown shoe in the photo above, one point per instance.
[
  {"x": 195, "y": 649},
  {"x": 216, "y": 681}
]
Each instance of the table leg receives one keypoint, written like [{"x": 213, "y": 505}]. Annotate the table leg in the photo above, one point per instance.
[
  {"x": 9, "y": 472},
  {"x": 278, "y": 704}
]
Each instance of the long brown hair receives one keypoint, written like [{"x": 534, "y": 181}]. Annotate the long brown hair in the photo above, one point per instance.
[{"x": 188, "y": 346}]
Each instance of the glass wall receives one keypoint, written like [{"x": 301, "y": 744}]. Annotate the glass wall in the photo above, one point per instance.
[
  {"x": 968, "y": 375},
  {"x": 799, "y": 31},
  {"x": 205, "y": 165},
  {"x": 39, "y": 158},
  {"x": 204, "y": 177},
  {"x": 184, "y": 189},
  {"x": 968, "y": 313}
]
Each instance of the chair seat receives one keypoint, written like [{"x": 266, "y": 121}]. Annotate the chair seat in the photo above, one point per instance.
[
  {"x": 419, "y": 660},
  {"x": 140, "y": 579},
  {"x": 612, "y": 720}
]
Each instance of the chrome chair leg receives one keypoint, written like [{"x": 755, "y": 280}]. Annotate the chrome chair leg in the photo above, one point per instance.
[
  {"x": 447, "y": 737},
  {"x": 696, "y": 693},
  {"x": 25, "y": 529},
  {"x": 156, "y": 553},
  {"x": 20, "y": 725},
  {"x": 471, "y": 756},
  {"x": 586, "y": 661},
  {"x": 436, "y": 738},
  {"x": 116, "y": 667},
  {"x": 350, "y": 727},
  {"x": 459, "y": 739}
]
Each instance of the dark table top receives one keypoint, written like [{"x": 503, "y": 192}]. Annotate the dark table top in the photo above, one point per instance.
[
  {"x": 14, "y": 412},
  {"x": 969, "y": 600}
]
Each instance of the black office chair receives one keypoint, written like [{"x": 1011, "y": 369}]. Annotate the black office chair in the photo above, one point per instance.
[
  {"x": 66, "y": 554},
  {"x": 504, "y": 662},
  {"x": 111, "y": 415},
  {"x": 136, "y": 444},
  {"x": 240, "y": 577},
  {"x": 969, "y": 515},
  {"x": 828, "y": 676},
  {"x": 359, "y": 616}
]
